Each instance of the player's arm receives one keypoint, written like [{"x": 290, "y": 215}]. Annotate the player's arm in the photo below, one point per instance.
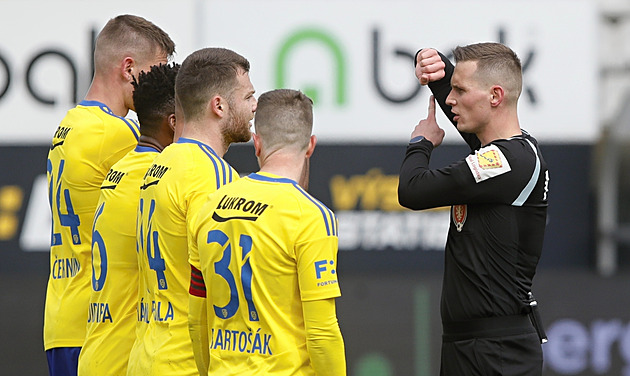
[
  {"x": 198, "y": 321},
  {"x": 323, "y": 338}
]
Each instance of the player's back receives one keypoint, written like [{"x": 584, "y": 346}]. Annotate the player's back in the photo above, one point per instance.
[
  {"x": 264, "y": 246},
  {"x": 177, "y": 183},
  {"x": 111, "y": 323},
  {"x": 89, "y": 140}
]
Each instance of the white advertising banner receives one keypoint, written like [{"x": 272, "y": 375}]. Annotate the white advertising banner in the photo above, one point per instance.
[{"x": 354, "y": 58}]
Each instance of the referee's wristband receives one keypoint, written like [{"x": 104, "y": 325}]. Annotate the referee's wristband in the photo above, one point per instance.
[{"x": 416, "y": 139}]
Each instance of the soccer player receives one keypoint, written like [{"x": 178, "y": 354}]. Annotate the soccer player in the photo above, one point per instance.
[
  {"x": 264, "y": 260},
  {"x": 90, "y": 139},
  {"x": 498, "y": 195},
  {"x": 214, "y": 106},
  {"x": 111, "y": 323}
]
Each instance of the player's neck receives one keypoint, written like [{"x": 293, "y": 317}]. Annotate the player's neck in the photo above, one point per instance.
[
  {"x": 209, "y": 134},
  {"x": 285, "y": 165},
  {"x": 150, "y": 142},
  {"x": 111, "y": 97}
]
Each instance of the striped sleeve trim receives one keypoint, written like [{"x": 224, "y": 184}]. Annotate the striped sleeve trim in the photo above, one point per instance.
[
  {"x": 529, "y": 188},
  {"x": 330, "y": 220},
  {"x": 197, "y": 284}
]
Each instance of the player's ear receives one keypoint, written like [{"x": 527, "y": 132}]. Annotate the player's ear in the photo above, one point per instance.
[
  {"x": 497, "y": 94},
  {"x": 311, "y": 146},
  {"x": 127, "y": 68},
  {"x": 257, "y": 144},
  {"x": 171, "y": 121},
  {"x": 217, "y": 106}
]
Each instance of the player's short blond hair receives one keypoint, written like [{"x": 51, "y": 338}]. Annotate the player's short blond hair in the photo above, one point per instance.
[
  {"x": 284, "y": 119},
  {"x": 129, "y": 35}
]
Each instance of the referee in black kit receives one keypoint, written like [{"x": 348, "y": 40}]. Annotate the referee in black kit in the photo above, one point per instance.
[{"x": 498, "y": 199}]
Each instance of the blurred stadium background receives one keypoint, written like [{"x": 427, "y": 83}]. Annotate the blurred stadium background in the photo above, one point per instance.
[{"x": 355, "y": 59}]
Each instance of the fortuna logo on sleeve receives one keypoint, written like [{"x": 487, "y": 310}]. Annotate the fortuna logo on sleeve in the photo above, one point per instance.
[{"x": 487, "y": 163}]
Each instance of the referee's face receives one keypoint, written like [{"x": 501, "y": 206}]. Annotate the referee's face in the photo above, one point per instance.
[{"x": 469, "y": 100}]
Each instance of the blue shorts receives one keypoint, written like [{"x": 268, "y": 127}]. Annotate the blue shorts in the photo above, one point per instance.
[{"x": 63, "y": 361}]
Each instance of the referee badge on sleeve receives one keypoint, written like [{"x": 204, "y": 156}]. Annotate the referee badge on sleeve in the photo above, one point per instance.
[
  {"x": 487, "y": 163},
  {"x": 459, "y": 213}
]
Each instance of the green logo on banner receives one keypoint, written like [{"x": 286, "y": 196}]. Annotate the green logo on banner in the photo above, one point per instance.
[{"x": 329, "y": 42}]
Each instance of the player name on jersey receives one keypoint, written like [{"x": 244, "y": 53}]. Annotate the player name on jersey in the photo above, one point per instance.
[
  {"x": 65, "y": 268},
  {"x": 249, "y": 342},
  {"x": 155, "y": 311},
  {"x": 99, "y": 312}
]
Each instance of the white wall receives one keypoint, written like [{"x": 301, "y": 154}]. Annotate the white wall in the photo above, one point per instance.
[{"x": 552, "y": 37}]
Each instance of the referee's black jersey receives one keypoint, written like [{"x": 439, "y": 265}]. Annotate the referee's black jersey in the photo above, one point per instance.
[{"x": 498, "y": 198}]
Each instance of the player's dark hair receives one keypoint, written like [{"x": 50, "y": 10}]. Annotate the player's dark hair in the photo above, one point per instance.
[
  {"x": 204, "y": 74},
  {"x": 133, "y": 35},
  {"x": 154, "y": 96}
]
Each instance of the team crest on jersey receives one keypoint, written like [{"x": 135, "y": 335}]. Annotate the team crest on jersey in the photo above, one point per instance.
[
  {"x": 487, "y": 162},
  {"x": 459, "y": 213}
]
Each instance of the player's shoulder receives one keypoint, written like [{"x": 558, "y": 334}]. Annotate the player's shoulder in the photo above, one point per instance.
[
  {"x": 99, "y": 113},
  {"x": 316, "y": 212},
  {"x": 311, "y": 210},
  {"x": 136, "y": 159},
  {"x": 185, "y": 162},
  {"x": 188, "y": 151},
  {"x": 205, "y": 162},
  {"x": 92, "y": 122}
]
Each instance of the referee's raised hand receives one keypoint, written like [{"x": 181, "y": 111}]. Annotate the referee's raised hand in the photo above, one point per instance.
[
  {"x": 429, "y": 66},
  {"x": 429, "y": 128}
]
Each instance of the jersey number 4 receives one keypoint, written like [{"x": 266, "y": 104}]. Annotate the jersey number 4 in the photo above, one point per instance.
[
  {"x": 69, "y": 218},
  {"x": 149, "y": 242},
  {"x": 222, "y": 268}
]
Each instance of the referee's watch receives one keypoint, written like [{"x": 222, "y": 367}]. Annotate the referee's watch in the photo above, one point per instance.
[{"x": 416, "y": 139}]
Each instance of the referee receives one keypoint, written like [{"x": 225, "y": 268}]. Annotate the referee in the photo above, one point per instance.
[{"x": 498, "y": 199}]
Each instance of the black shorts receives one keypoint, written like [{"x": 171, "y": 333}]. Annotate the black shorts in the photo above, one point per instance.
[{"x": 512, "y": 355}]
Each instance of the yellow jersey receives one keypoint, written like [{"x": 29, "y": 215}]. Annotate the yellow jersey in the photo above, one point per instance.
[
  {"x": 174, "y": 187},
  {"x": 89, "y": 140},
  {"x": 264, "y": 245},
  {"x": 111, "y": 322}
]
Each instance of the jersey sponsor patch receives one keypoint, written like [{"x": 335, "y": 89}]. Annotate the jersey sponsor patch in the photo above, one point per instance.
[{"x": 487, "y": 163}]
